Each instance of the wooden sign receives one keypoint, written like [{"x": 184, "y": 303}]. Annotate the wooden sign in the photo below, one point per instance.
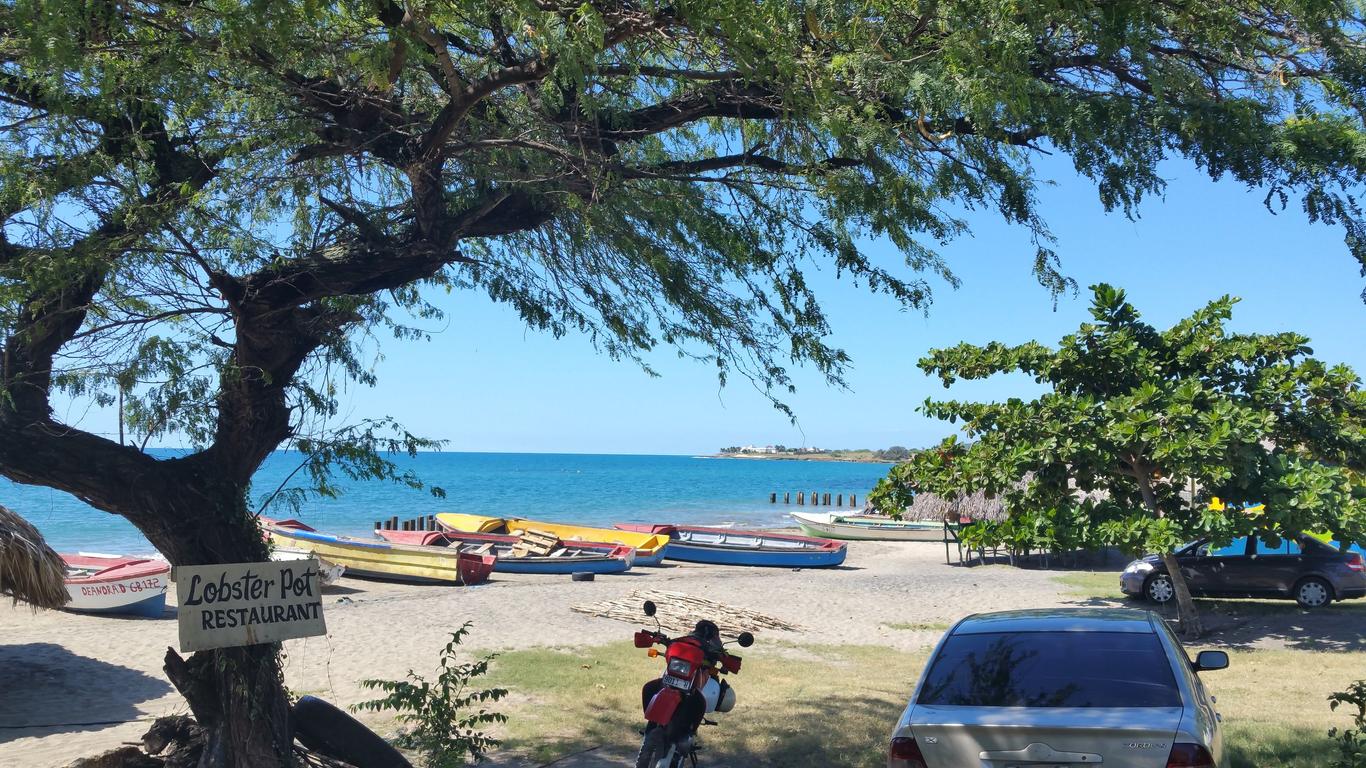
[{"x": 248, "y": 603}]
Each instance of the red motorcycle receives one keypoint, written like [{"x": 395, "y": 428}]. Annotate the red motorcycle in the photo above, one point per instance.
[{"x": 677, "y": 703}]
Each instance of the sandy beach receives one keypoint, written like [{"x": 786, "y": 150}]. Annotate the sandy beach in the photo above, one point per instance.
[{"x": 76, "y": 685}]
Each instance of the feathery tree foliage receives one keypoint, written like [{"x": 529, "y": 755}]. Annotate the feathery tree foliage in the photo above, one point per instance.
[
  {"x": 1135, "y": 417},
  {"x": 209, "y": 209}
]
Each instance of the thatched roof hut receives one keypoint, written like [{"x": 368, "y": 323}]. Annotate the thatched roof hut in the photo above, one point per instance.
[
  {"x": 29, "y": 570},
  {"x": 978, "y": 506}
]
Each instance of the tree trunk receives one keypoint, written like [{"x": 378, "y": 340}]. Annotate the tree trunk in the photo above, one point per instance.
[
  {"x": 238, "y": 697},
  {"x": 1191, "y": 627},
  {"x": 236, "y": 694}
]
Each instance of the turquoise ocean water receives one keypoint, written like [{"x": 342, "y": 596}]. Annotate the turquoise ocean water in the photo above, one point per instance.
[{"x": 579, "y": 488}]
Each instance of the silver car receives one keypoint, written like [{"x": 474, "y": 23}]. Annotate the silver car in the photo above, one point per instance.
[{"x": 1061, "y": 688}]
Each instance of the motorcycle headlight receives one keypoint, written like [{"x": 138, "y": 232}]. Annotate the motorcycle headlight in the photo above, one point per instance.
[{"x": 680, "y": 668}]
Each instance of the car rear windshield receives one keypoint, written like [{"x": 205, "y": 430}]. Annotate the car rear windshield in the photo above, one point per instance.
[{"x": 1051, "y": 669}]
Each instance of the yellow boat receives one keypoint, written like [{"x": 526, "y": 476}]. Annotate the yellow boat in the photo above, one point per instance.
[
  {"x": 649, "y": 546},
  {"x": 376, "y": 559}
]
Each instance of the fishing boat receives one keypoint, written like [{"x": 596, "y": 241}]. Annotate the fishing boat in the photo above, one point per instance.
[
  {"x": 737, "y": 546},
  {"x": 860, "y": 527},
  {"x": 383, "y": 560},
  {"x": 116, "y": 584},
  {"x": 328, "y": 570},
  {"x": 510, "y": 556},
  {"x": 649, "y": 546}
]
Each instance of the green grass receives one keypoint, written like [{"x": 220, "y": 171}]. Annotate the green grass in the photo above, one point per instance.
[
  {"x": 1095, "y": 584},
  {"x": 1274, "y": 704},
  {"x": 930, "y": 626},
  {"x": 566, "y": 701}
]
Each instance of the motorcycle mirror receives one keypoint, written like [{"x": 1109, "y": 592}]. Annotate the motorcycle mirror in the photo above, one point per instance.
[
  {"x": 745, "y": 639},
  {"x": 650, "y": 608}
]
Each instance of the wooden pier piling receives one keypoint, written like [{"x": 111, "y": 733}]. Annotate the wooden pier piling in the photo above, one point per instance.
[{"x": 817, "y": 499}]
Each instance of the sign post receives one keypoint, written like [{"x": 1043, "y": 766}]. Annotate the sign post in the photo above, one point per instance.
[{"x": 248, "y": 603}]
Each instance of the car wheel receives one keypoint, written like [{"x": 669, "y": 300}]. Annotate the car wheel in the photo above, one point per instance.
[
  {"x": 1159, "y": 588},
  {"x": 1313, "y": 592}
]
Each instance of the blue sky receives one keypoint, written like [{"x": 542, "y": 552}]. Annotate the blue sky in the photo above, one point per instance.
[{"x": 486, "y": 383}]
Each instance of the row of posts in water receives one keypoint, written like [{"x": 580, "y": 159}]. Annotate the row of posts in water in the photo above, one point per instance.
[
  {"x": 817, "y": 499},
  {"x": 427, "y": 523}
]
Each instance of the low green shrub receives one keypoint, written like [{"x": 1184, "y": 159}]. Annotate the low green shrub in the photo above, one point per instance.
[
  {"x": 1351, "y": 742},
  {"x": 437, "y": 717}
]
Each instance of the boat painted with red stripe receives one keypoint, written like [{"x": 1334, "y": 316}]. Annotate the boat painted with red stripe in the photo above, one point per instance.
[{"x": 116, "y": 584}]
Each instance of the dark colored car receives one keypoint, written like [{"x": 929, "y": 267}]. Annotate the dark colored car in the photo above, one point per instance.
[{"x": 1301, "y": 568}]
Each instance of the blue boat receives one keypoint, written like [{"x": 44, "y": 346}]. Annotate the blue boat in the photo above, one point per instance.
[
  {"x": 570, "y": 557},
  {"x": 738, "y": 546}
]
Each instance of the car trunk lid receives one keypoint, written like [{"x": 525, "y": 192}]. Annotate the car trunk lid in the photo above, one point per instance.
[{"x": 1034, "y": 737}]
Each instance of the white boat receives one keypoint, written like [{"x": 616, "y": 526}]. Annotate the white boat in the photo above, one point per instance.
[
  {"x": 116, "y": 584},
  {"x": 833, "y": 525},
  {"x": 327, "y": 570}
]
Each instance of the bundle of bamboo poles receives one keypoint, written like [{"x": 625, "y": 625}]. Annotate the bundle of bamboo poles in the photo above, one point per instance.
[{"x": 679, "y": 612}]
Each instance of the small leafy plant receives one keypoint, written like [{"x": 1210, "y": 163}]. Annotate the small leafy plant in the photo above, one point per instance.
[
  {"x": 442, "y": 719},
  {"x": 1351, "y": 742}
]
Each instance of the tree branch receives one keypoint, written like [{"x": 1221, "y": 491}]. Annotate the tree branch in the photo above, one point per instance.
[{"x": 741, "y": 160}]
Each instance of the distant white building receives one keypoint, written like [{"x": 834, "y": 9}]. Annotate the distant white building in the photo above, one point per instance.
[{"x": 769, "y": 449}]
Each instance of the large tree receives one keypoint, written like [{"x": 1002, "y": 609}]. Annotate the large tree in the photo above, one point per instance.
[
  {"x": 1139, "y": 430},
  {"x": 209, "y": 208}
]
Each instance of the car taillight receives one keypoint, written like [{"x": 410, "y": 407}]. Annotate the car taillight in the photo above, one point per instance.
[
  {"x": 905, "y": 753},
  {"x": 1190, "y": 756},
  {"x": 1355, "y": 562}
]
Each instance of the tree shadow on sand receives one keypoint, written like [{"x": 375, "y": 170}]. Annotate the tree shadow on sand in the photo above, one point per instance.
[
  {"x": 836, "y": 731},
  {"x": 1242, "y": 624},
  {"x": 48, "y": 689}
]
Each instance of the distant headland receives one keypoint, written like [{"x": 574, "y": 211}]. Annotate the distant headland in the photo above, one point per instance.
[{"x": 866, "y": 455}]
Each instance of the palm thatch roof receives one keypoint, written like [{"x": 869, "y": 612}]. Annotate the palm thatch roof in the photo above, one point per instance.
[
  {"x": 29, "y": 570},
  {"x": 978, "y": 506}
]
